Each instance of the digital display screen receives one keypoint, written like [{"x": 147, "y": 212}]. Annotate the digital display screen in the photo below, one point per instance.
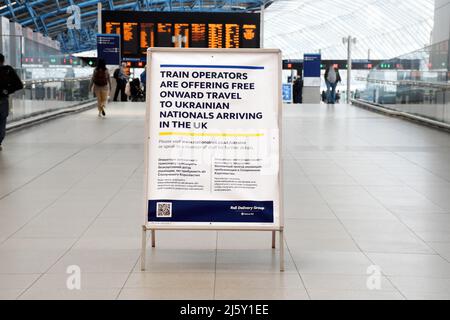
[
  {"x": 181, "y": 33},
  {"x": 198, "y": 35},
  {"x": 164, "y": 35},
  {"x": 232, "y": 37},
  {"x": 113, "y": 28},
  {"x": 215, "y": 35},
  {"x": 147, "y": 36},
  {"x": 141, "y": 30},
  {"x": 249, "y": 36},
  {"x": 130, "y": 38}
]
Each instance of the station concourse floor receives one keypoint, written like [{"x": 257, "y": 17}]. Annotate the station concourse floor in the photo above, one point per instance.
[{"x": 361, "y": 190}]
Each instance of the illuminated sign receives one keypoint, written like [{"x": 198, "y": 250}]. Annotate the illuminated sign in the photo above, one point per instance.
[
  {"x": 141, "y": 30},
  {"x": 198, "y": 35},
  {"x": 165, "y": 35},
  {"x": 215, "y": 35},
  {"x": 232, "y": 36},
  {"x": 130, "y": 37},
  {"x": 249, "y": 38},
  {"x": 181, "y": 29},
  {"x": 113, "y": 28},
  {"x": 147, "y": 36}
]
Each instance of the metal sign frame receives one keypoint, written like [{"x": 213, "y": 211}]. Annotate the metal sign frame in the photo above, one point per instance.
[{"x": 153, "y": 227}]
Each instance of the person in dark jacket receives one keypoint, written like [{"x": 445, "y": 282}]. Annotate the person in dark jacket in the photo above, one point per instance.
[
  {"x": 298, "y": 90},
  {"x": 332, "y": 78},
  {"x": 121, "y": 81},
  {"x": 9, "y": 83}
]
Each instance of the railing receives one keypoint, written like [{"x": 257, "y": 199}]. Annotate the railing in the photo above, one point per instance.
[
  {"x": 417, "y": 84},
  {"x": 48, "y": 95},
  {"x": 423, "y": 84}
]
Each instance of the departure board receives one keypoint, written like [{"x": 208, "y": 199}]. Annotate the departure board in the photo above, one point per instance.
[
  {"x": 164, "y": 35},
  {"x": 232, "y": 36},
  {"x": 147, "y": 36},
  {"x": 141, "y": 30},
  {"x": 130, "y": 38},
  {"x": 181, "y": 29},
  {"x": 249, "y": 36},
  {"x": 215, "y": 35},
  {"x": 113, "y": 27},
  {"x": 198, "y": 35}
]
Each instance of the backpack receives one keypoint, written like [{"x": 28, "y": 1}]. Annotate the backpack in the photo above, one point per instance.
[
  {"x": 332, "y": 76},
  {"x": 9, "y": 81},
  {"x": 116, "y": 74},
  {"x": 100, "y": 78}
]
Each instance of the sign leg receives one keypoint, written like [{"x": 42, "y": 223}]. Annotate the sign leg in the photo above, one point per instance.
[
  {"x": 274, "y": 237},
  {"x": 153, "y": 238},
  {"x": 143, "y": 247},
  {"x": 281, "y": 251}
]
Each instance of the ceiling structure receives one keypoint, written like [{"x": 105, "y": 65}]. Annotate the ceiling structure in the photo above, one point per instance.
[
  {"x": 387, "y": 28},
  {"x": 50, "y": 16}
]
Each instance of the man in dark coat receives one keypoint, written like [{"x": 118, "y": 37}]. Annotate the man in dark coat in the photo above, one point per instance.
[{"x": 9, "y": 83}]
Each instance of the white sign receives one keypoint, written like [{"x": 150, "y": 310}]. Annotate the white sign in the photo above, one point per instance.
[{"x": 213, "y": 148}]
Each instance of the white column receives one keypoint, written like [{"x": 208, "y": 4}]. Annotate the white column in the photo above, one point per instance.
[
  {"x": 99, "y": 17},
  {"x": 349, "y": 68}
]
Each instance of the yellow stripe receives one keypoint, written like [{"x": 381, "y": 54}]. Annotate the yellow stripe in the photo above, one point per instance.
[{"x": 224, "y": 135}]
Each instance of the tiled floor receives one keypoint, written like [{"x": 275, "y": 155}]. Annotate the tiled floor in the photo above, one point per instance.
[{"x": 361, "y": 190}]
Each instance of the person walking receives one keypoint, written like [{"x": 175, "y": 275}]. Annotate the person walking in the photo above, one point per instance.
[
  {"x": 298, "y": 90},
  {"x": 332, "y": 78},
  {"x": 295, "y": 90},
  {"x": 9, "y": 83},
  {"x": 121, "y": 81},
  {"x": 101, "y": 83}
]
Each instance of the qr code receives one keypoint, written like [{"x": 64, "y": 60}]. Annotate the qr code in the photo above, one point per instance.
[{"x": 164, "y": 210}]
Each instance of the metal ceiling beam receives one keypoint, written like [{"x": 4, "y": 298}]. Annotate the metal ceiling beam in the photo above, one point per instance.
[
  {"x": 33, "y": 15},
  {"x": 9, "y": 7},
  {"x": 84, "y": 39},
  {"x": 63, "y": 10}
]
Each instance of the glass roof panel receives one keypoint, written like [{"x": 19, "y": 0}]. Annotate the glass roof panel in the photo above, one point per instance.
[{"x": 387, "y": 28}]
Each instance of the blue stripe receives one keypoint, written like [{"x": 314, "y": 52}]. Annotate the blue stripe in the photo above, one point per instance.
[{"x": 210, "y": 66}]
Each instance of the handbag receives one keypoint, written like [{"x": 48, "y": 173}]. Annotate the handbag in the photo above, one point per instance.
[{"x": 128, "y": 89}]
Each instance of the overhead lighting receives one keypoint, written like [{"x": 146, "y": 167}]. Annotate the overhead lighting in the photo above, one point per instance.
[{"x": 6, "y": 6}]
